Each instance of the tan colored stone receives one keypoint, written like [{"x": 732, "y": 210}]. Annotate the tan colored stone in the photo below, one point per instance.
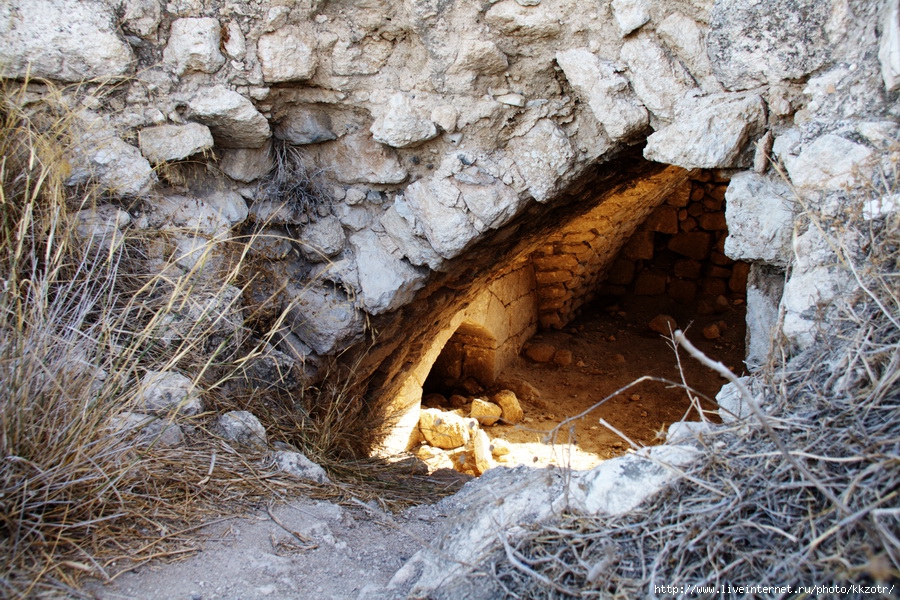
[
  {"x": 712, "y": 332},
  {"x": 486, "y": 413},
  {"x": 512, "y": 410},
  {"x": 563, "y": 358},
  {"x": 664, "y": 220},
  {"x": 663, "y": 324},
  {"x": 500, "y": 447},
  {"x": 444, "y": 429},
  {"x": 540, "y": 352},
  {"x": 481, "y": 451}
]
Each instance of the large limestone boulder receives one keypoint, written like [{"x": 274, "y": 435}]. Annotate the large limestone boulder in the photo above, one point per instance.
[
  {"x": 830, "y": 162},
  {"x": 445, "y": 430},
  {"x": 247, "y": 164},
  {"x": 658, "y": 80},
  {"x": 287, "y": 55},
  {"x": 399, "y": 126},
  {"x": 544, "y": 157},
  {"x": 630, "y": 14},
  {"x": 322, "y": 239},
  {"x": 385, "y": 282},
  {"x": 358, "y": 158},
  {"x": 194, "y": 45},
  {"x": 323, "y": 317},
  {"x": 759, "y": 211},
  {"x": 439, "y": 209},
  {"x": 815, "y": 280},
  {"x": 232, "y": 118},
  {"x": 789, "y": 40},
  {"x": 100, "y": 155},
  {"x": 305, "y": 125},
  {"x": 174, "y": 142},
  {"x": 607, "y": 93},
  {"x": 63, "y": 40},
  {"x": 708, "y": 133},
  {"x": 617, "y": 486}
]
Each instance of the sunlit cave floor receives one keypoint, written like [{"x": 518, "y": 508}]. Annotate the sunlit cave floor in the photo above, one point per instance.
[{"x": 612, "y": 345}]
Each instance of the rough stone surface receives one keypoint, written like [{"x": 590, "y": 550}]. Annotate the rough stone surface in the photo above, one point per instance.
[
  {"x": 100, "y": 155},
  {"x": 619, "y": 485},
  {"x": 814, "y": 281},
  {"x": 607, "y": 93},
  {"x": 760, "y": 217},
  {"x": 164, "y": 392},
  {"x": 234, "y": 121},
  {"x": 688, "y": 40},
  {"x": 889, "y": 46},
  {"x": 630, "y": 14},
  {"x": 357, "y": 158},
  {"x": 512, "y": 412},
  {"x": 486, "y": 413},
  {"x": 659, "y": 81},
  {"x": 244, "y": 429},
  {"x": 544, "y": 156},
  {"x": 322, "y": 239},
  {"x": 765, "y": 286},
  {"x": 831, "y": 162},
  {"x": 385, "y": 281},
  {"x": 399, "y": 126},
  {"x": 323, "y": 318},
  {"x": 174, "y": 142},
  {"x": 305, "y": 125},
  {"x": 708, "y": 133},
  {"x": 287, "y": 55},
  {"x": 298, "y": 465},
  {"x": 445, "y": 430},
  {"x": 194, "y": 45},
  {"x": 438, "y": 206},
  {"x": 789, "y": 40},
  {"x": 247, "y": 164},
  {"x": 65, "y": 40}
]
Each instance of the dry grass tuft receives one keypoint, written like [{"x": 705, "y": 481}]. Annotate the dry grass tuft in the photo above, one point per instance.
[
  {"x": 759, "y": 519},
  {"x": 81, "y": 321}
]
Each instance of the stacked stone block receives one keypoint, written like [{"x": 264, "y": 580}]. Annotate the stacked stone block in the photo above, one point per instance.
[
  {"x": 571, "y": 264},
  {"x": 679, "y": 249}
]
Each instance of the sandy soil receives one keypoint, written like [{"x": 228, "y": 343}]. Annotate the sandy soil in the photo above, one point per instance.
[{"x": 612, "y": 346}]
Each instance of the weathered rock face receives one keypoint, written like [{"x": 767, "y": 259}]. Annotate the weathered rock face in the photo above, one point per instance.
[{"x": 413, "y": 155}]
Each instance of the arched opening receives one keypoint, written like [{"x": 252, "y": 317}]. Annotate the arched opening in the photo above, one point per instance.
[
  {"x": 595, "y": 290},
  {"x": 467, "y": 361}
]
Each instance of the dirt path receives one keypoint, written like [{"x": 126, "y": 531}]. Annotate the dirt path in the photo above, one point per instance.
[{"x": 300, "y": 549}]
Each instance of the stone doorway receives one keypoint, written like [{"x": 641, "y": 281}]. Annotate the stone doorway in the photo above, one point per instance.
[{"x": 601, "y": 285}]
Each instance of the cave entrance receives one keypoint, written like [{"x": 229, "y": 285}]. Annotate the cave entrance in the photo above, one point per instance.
[{"x": 594, "y": 297}]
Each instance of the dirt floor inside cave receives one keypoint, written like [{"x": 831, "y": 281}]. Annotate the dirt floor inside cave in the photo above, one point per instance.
[{"x": 612, "y": 346}]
